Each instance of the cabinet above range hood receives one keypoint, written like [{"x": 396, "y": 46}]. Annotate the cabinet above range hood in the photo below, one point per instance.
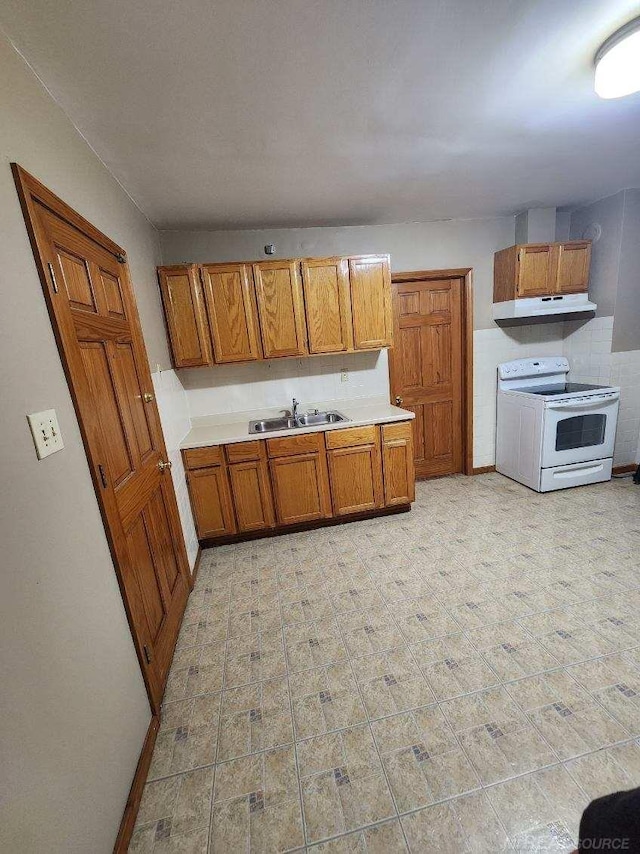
[{"x": 537, "y": 282}]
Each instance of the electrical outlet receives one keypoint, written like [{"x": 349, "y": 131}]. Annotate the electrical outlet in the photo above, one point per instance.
[
  {"x": 344, "y": 376},
  {"x": 46, "y": 432}
]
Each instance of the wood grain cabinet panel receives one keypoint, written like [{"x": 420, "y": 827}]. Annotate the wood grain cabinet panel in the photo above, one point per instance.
[
  {"x": 211, "y": 502},
  {"x": 572, "y": 261},
  {"x": 541, "y": 269},
  {"x": 185, "y": 315},
  {"x": 398, "y": 465},
  {"x": 327, "y": 300},
  {"x": 300, "y": 488},
  {"x": 251, "y": 491},
  {"x": 370, "y": 284},
  {"x": 280, "y": 308},
  {"x": 231, "y": 306},
  {"x": 356, "y": 478}
]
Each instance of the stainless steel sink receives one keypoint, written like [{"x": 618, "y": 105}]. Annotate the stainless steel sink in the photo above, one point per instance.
[{"x": 312, "y": 419}]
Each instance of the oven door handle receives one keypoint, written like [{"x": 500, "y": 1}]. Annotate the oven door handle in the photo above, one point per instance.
[{"x": 581, "y": 404}]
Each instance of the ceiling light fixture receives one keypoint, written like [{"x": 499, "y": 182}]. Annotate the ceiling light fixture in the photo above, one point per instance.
[{"x": 618, "y": 62}]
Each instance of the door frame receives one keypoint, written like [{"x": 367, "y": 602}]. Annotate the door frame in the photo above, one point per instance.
[
  {"x": 466, "y": 274},
  {"x": 29, "y": 189}
]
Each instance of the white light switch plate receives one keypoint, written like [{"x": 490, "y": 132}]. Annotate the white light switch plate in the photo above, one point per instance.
[{"x": 46, "y": 432}]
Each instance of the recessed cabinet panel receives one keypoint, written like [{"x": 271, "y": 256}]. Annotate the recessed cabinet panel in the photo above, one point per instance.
[
  {"x": 398, "y": 464},
  {"x": 186, "y": 316},
  {"x": 231, "y": 307},
  {"x": 534, "y": 270},
  {"x": 211, "y": 502},
  {"x": 300, "y": 488},
  {"x": 281, "y": 308},
  {"x": 356, "y": 479},
  {"x": 327, "y": 304},
  {"x": 370, "y": 281},
  {"x": 251, "y": 493},
  {"x": 572, "y": 267}
]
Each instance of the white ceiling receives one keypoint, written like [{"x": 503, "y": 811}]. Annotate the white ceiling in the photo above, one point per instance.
[{"x": 246, "y": 113}]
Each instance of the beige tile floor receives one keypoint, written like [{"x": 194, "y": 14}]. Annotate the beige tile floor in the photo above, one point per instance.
[{"x": 461, "y": 678}]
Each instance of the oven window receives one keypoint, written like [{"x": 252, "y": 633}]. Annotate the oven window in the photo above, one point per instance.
[{"x": 581, "y": 431}]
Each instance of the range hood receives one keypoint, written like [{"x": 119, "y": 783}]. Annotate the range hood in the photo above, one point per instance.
[{"x": 557, "y": 307}]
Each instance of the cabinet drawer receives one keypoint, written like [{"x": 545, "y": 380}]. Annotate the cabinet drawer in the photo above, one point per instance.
[
  {"x": 286, "y": 446},
  {"x": 198, "y": 458},
  {"x": 399, "y": 430},
  {"x": 352, "y": 436},
  {"x": 242, "y": 452}
]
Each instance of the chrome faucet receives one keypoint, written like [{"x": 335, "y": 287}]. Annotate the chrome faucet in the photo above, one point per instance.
[{"x": 294, "y": 408}]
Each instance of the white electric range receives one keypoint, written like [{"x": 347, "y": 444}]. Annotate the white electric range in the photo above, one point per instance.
[{"x": 551, "y": 433}]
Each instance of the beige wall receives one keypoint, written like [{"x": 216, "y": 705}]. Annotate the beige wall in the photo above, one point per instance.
[
  {"x": 73, "y": 709},
  {"x": 413, "y": 246}
]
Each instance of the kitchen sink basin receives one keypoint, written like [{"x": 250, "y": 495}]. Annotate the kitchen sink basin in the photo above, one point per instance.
[{"x": 311, "y": 419}]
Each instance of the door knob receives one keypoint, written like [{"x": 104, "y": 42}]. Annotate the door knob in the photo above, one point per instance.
[
  {"x": 162, "y": 465},
  {"x": 147, "y": 397},
  {"x": 398, "y": 401}
]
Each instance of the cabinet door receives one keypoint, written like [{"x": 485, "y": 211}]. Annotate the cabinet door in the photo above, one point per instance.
[
  {"x": 398, "y": 467},
  {"x": 535, "y": 270},
  {"x": 327, "y": 303},
  {"x": 280, "y": 308},
  {"x": 211, "y": 502},
  {"x": 228, "y": 290},
  {"x": 186, "y": 316},
  {"x": 370, "y": 283},
  {"x": 251, "y": 495},
  {"x": 572, "y": 266},
  {"x": 356, "y": 479},
  {"x": 300, "y": 488}
]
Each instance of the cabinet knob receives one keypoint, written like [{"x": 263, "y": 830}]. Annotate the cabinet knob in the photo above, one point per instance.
[
  {"x": 398, "y": 401},
  {"x": 162, "y": 465}
]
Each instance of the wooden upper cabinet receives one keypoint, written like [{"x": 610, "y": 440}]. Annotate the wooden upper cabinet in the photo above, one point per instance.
[
  {"x": 280, "y": 308},
  {"x": 541, "y": 269},
  {"x": 186, "y": 316},
  {"x": 230, "y": 299},
  {"x": 327, "y": 302},
  {"x": 572, "y": 261},
  {"x": 535, "y": 270},
  {"x": 370, "y": 284}
]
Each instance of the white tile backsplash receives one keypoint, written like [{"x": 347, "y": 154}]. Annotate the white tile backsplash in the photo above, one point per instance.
[{"x": 174, "y": 417}]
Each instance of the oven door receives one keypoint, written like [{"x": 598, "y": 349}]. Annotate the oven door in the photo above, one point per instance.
[{"x": 579, "y": 430}]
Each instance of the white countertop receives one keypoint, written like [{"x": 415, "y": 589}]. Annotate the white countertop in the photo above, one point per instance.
[{"x": 234, "y": 427}]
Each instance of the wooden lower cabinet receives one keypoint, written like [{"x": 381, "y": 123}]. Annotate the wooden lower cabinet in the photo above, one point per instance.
[
  {"x": 211, "y": 502},
  {"x": 259, "y": 485},
  {"x": 355, "y": 471},
  {"x": 397, "y": 464},
  {"x": 300, "y": 488},
  {"x": 251, "y": 491}
]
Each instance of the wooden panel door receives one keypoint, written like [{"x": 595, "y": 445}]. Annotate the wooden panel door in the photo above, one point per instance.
[
  {"x": 230, "y": 298},
  {"x": 211, "y": 502},
  {"x": 185, "y": 315},
  {"x": 86, "y": 283},
  {"x": 397, "y": 462},
  {"x": 300, "y": 488},
  {"x": 535, "y": 270},
  {"x": 571, "y": 265},
  {"x": 327, "y": 301},
  {"x": 370, "y": 282},
  {"x": 280, "y": 308},
  {"x": 425, "y": 366},
  {"x": 355, "y": 474},
  {"x": 251, "y": 492}
]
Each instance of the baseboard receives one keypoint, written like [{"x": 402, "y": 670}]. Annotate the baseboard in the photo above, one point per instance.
[
  {"x": 137, "y": 787},
  {"x": 306, "y": 526},
  {"x": 196, "y": 565},
  {"x": 484, "y": 469},
  {"x": 625, "y": 469}
]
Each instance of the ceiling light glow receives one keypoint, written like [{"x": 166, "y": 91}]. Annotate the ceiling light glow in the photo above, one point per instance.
[{"x": 618, "y": 63}]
